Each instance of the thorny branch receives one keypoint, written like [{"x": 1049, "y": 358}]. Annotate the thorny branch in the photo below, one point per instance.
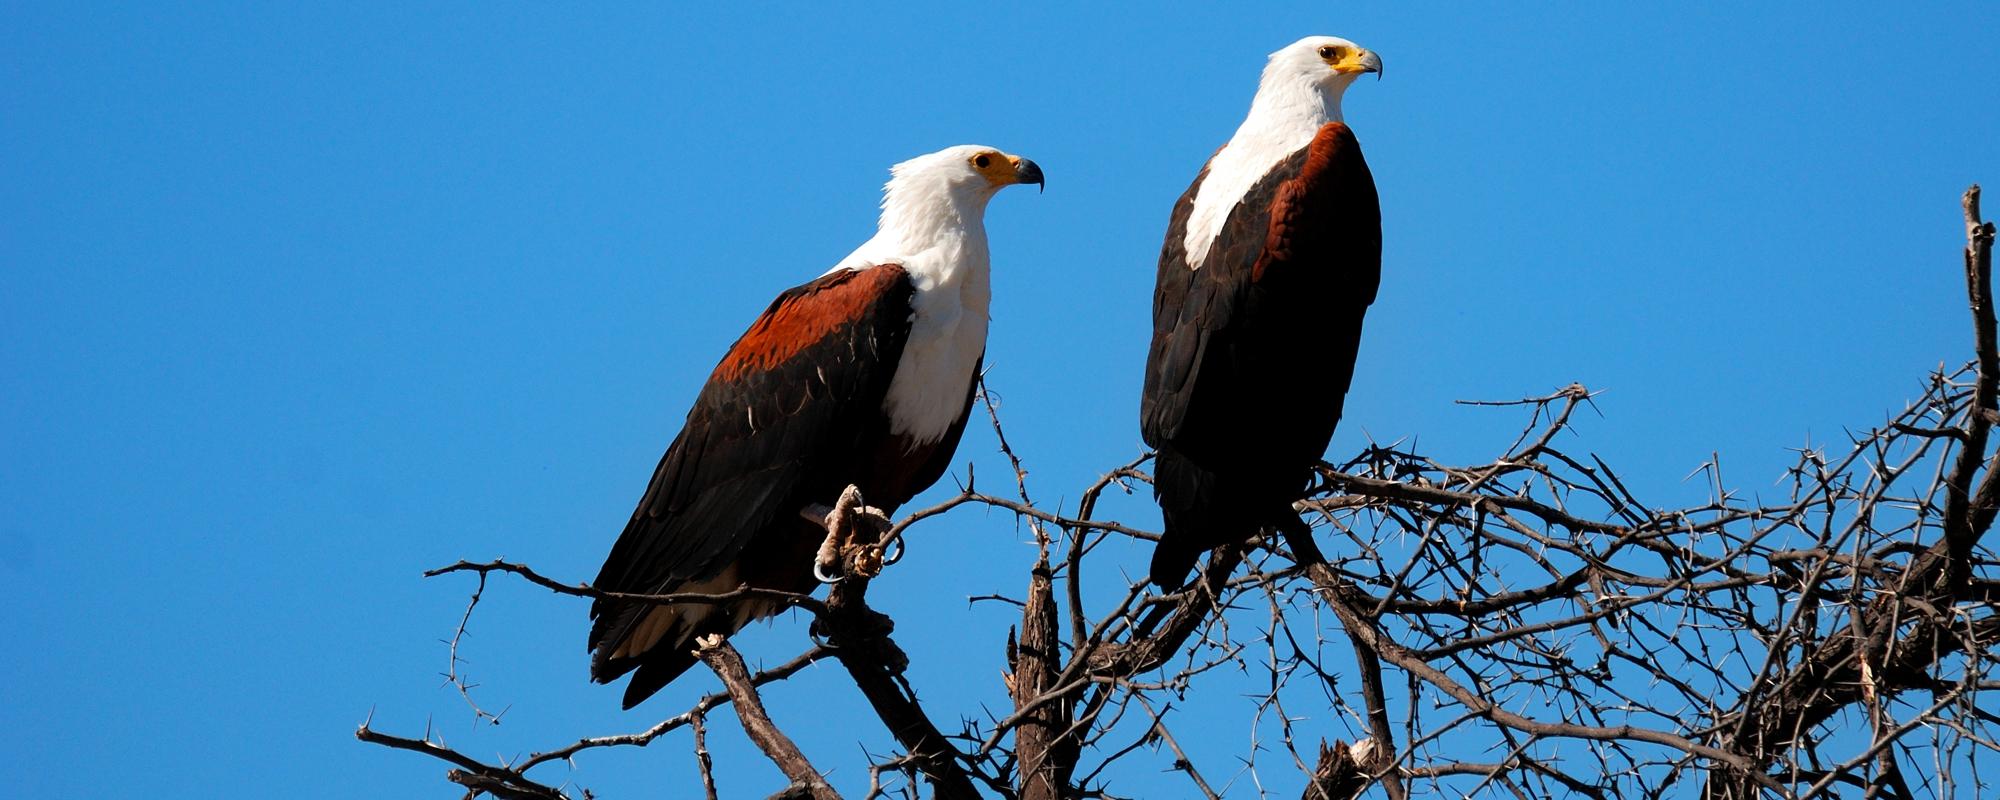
[
  {"x": 1529, "y": 626},
  {"x": 778, "y": 747}
]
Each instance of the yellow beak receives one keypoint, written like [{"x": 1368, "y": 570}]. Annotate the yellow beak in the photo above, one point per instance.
[{"x": 1360, "y": 61}]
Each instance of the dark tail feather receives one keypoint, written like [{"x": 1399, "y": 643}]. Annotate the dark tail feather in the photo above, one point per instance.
[
  {"x": 1204, "y": 510},
  {"x": 1175, "y": 555},
  {"x": 656, "y": 667},
  {"x": 1190, "y": 502},
  {"x": 611, "y": 621},
  {"x": 661, "y": 667}
]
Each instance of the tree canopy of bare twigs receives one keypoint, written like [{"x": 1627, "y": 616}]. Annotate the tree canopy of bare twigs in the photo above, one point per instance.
[{"x": 1524, "y": 627}]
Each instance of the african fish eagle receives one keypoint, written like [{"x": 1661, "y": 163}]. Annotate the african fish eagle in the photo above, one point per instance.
[
  {"x": 1271, "y": 259},
  {"x": 861, "y": 377}
]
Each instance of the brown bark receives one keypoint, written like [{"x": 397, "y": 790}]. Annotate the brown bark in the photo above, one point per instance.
[
  {"x": 728, "y": 665},
  {"x": 1044, "y": 749}
]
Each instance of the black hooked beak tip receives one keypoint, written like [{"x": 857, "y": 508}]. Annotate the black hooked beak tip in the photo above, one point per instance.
[{"x": 1030, "y": 172}]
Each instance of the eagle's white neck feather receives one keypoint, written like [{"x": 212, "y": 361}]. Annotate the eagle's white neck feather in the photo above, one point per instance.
[
  {"x": 934, "y": 224},
  {"x": 1295, "y": 97}
]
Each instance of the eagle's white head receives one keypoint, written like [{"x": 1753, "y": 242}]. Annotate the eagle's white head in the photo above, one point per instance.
[
  {"x": 949, "y": 187},
  {"x": 1312, "y": 73},
  {"x": 939, "y": 199},
  {"x": 1299, "y": 92},
  {"x": 971, "y": 171}
]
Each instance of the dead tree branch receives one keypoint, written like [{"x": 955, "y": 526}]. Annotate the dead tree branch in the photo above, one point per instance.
[{"x": 728, "y": 665}]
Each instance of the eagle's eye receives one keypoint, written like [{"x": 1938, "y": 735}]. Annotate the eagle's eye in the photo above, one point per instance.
[
  {"x": 1330, "y": 52},
  {"x": 982, "y": 161}
]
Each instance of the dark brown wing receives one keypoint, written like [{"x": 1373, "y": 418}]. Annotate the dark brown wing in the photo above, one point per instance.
[
  {"x": 794, "y": 395},
  {"x": 1252, "y": 354},
  {"x": 1182, "y": 298}
]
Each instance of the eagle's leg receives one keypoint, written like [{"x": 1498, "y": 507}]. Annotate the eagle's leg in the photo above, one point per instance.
[
  {"x": 844, "y": 551},
  {"x": 1299, "y": 535},
  {"x": 826, "y": 564}
]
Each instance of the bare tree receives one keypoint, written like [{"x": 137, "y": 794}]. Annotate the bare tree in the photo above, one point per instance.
[{"x": 1526, "y": 626}]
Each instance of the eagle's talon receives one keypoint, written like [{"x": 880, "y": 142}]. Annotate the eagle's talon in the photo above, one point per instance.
[
  {"x": 890, "y": 558},
  {"x": 818, "y": 636}
]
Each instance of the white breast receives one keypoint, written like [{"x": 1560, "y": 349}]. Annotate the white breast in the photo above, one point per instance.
[
  {"x": 947, "y": 330},
  {"x": 947, "y": 337},
  {"x": 1232, "y": 173}
]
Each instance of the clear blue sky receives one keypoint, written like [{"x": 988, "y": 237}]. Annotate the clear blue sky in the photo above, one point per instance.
[{"x": 295, "y": 304}]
